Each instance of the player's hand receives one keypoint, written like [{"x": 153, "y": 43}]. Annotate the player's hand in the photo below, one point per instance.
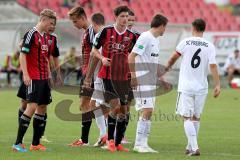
[
  {"x": 106, "y": 61},
  {"x": 134, "y": 83},
  {"x": 216, "y": 91},
  {"x": 87, "y": 83},
  {"x": 167, "y": 69},
  {"x": 26, "y": 80}
]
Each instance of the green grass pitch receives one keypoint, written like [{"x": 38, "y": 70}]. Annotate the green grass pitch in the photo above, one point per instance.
[{"x": 219, "y": 136}]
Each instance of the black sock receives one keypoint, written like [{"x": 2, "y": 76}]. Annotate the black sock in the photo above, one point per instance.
[
  {"x": 121, "y": 127},
  {"x": 22, "y": 128},
  {"x": 20, "y": 113},
  {"x": 126, "y": 123},
  {"x": 38, "y": 126},
  {"x": 111, "y": 126},
  {"x": 45, "y": 123},
  {"x": 85, "y": 130}
]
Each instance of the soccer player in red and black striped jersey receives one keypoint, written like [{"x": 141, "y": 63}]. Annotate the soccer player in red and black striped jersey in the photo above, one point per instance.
[
  {"x": 34, "y": 60},
  {"x": 79, "y": 19},
  {"x": 54, "y": 53},
  {"x": 131, "y": 23},
  {"x": 116, "y": 41}
]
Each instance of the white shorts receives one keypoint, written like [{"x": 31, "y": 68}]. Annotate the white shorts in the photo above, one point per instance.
[
  {"x": 98, "y": 93},
  {"x": 190, "y": 105},
  {"x": 145, "y": 97}
]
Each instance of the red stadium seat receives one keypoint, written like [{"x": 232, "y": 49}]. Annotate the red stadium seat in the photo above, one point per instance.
[{"x": 177, "y": 11}]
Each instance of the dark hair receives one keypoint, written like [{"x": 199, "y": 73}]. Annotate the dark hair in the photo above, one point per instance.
[
  {"x": 236, "y": 51},
  {"x": 199, "y": 25},
  {"x": 131, "y": 13},
  {"x": 118, "y": 10},
  {"x": 98, "y": 18},
  {"x": 77, "y": 11},
  {"x": 159, "y": 20}
]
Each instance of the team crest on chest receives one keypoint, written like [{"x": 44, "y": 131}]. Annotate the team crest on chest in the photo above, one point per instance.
[{"x": 49, "y": 42}]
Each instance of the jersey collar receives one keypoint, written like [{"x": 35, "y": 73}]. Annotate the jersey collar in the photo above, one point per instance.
[{"x": 118, "y": 31}]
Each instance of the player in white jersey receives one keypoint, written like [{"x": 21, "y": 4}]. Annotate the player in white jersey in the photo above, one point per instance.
[
  {"x": 197, "y": 55},
  {"x": 146, "y": 54}
]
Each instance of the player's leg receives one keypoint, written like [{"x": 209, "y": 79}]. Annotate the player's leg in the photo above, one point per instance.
[
  {"x": 185, "y": 108},
  {"x": 199, "y": 101},
  {"x": 21, "y": 109},
  {"x": 39, "y": 123},
  {"x": 23, "y": 104},
  {"x": 130, "y": 98},
  {"x": 112, "y": 121},
  {"x": 100, "y": 121},
  {"x": 44, "y": 137},
  {"x": 85, "y": 97},
  {"x": 86, "y": 120},
  {"x": 121, "y": 127},
  {"x": 23, "y": 126},
  {"x": 145, "y": 104},
  {"x": 99, "y": 110},
  {"x": 43, "y": 98}
]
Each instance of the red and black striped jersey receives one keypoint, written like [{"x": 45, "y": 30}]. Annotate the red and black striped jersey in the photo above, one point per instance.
[
  {"x": 87, "y": 43},
  {"x": 53, "y": 45},
  {"x": 136, "y": 33},
  {"x": 115, "y": 46},
  {"x": 38, "y": 48}
]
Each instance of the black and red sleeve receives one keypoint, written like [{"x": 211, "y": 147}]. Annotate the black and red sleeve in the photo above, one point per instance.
[
  {"x": 56, "y": 48},
  {"x": 100, "y": 38},
  {"x": 28, "y": 40}
]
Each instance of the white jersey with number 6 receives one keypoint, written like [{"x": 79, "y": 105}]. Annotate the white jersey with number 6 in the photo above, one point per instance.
[{"x": 197, "y": 53}]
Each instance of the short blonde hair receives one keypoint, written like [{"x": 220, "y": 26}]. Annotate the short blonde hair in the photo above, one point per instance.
[
  {"x": 77, "y": 11},
  {"x": 48, "y": 13}
]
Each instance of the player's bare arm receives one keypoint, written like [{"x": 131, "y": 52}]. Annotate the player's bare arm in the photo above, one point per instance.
[
  {"x": 23, "y": 63},
  {"x": 105, "y": 61},
  {"x": 131, "y": 62},
  {"x": 172, "y": 61},
  {"x": 57, "y": 68},
  {"x": 93, "y": 61},
  {"x": 214, "y": 71}
]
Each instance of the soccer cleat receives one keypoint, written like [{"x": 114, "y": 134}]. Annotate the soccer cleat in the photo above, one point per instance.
[
  {"x": 125, "y": 141},
  {"x": 144, "y": 149},
  {"x": 78, "y": 143},
  {"x": 19, "y": 148},
  {"x": 111, "y": 145},
  {"x": 105, "y": 147},
  {"x": 39, "y": 147},
  {"x": 187, "y": 151},
  {"x": 101, "y": 141},
  {"x": 44, "y": 139},
  {"x": 121, "y": 148},
  {"x": 194, "y": 153}
]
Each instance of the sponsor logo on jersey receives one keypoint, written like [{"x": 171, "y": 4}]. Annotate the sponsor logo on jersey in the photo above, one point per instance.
[
  {"x": 44, "y": 47},
  {"x": 49, "y": 42},
  {"x": 154, "y": 54},
  {"x": 140, "y": 46}
]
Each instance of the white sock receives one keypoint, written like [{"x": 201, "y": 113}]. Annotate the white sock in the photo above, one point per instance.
[
  {"x": 142, "y": 132},
  {"x": 100, "y": 121},
  {"x": 196, "y": 126},
  {"x": 191, "y": 134}
]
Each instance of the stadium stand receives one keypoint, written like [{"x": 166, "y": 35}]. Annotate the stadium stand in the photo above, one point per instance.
[{"x": 145, "y": 9}]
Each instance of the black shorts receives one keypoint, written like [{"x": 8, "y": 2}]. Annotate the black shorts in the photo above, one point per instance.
[
  {"x": 22, "y": 91},
  {"x": 38, "y": 92},
  {"x": 84, "y": 91},
  {"x": 130, "y": 92},
  {"x": 116, "y": 89}
]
